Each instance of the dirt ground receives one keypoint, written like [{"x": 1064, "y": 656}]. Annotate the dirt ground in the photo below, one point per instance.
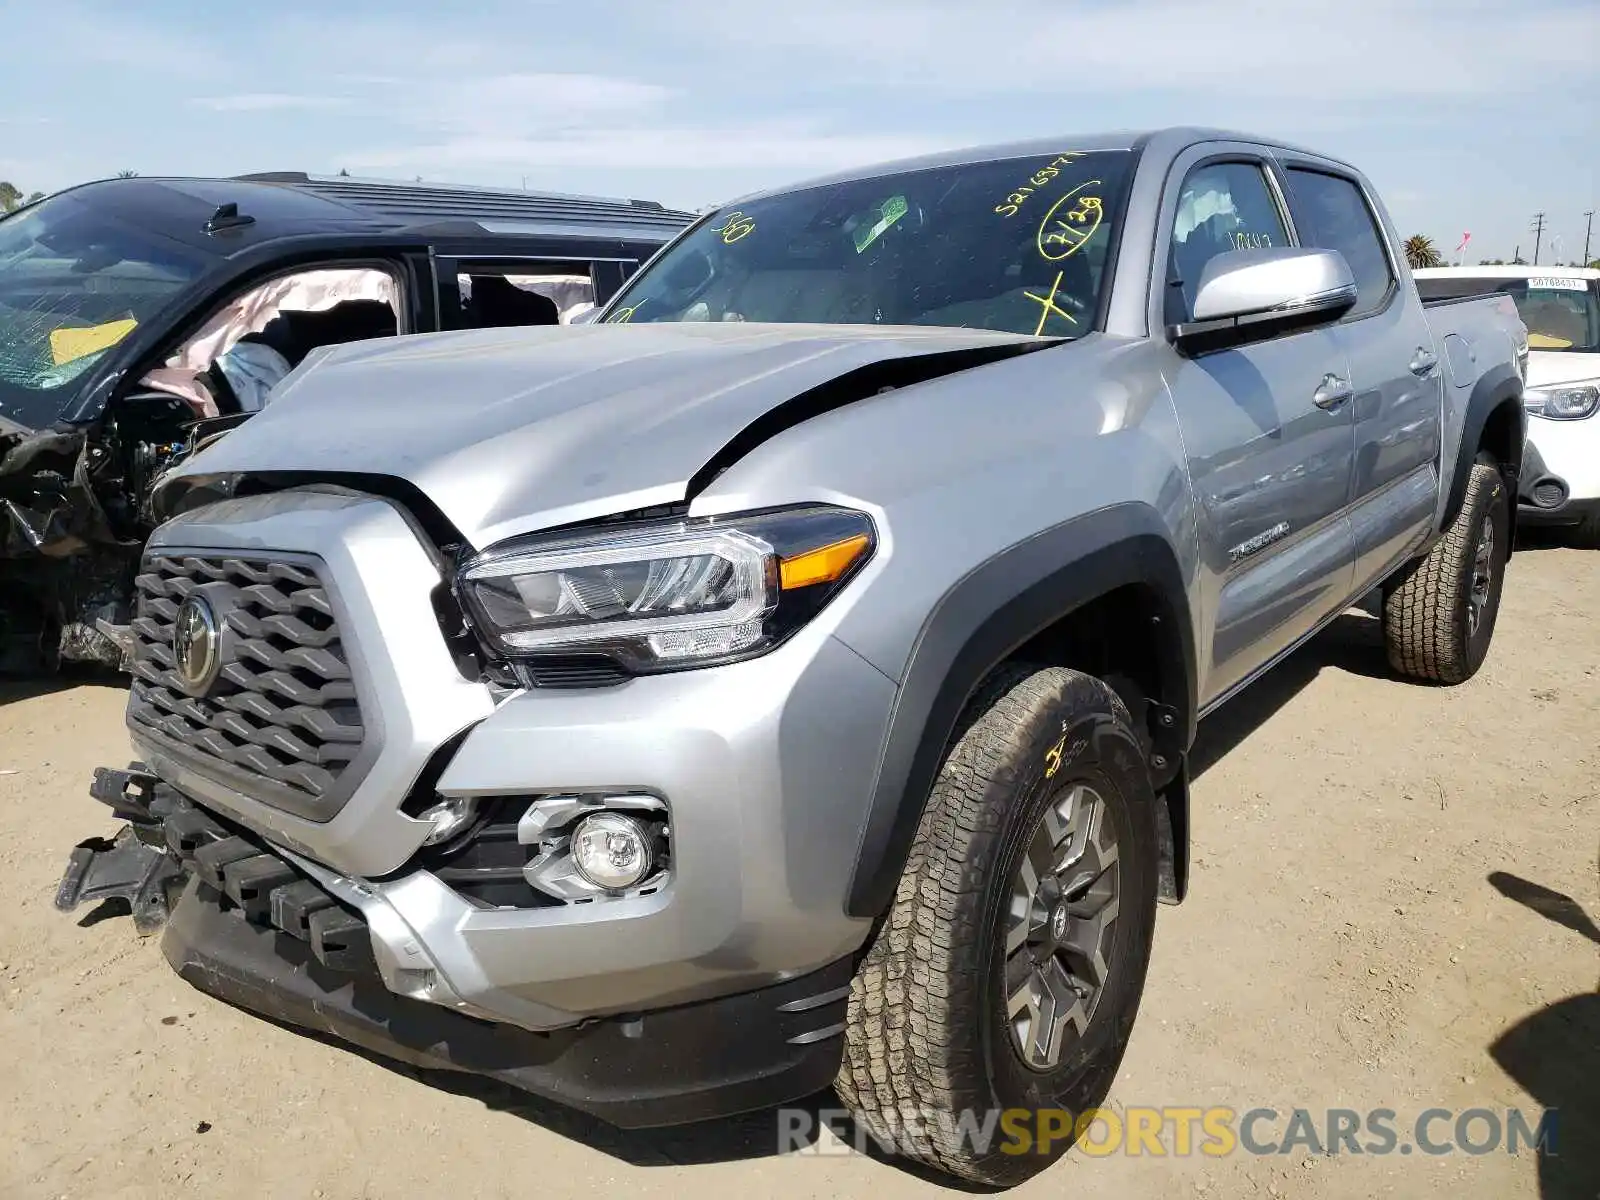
[{"x": 1394, "y": 905}]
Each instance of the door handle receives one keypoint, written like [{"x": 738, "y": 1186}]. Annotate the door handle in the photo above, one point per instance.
[
  {"x": 1333, "y": 392},
  {"x": 1424, "y": 363}
]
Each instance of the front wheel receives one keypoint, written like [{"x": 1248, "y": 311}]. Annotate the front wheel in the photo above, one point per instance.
[
  {"x": 1007, "y": 975},
  {"x": 1439, "y": 619}
]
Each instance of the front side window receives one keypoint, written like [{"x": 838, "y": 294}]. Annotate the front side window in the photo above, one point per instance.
[
  {"x": 250, "y": 343},
  {"x": 74, "y": 282},
  {"x": 1221, "y": 206},
  {"x": 1332, "y": 214},
  {"x": 1018, "y": 245}
]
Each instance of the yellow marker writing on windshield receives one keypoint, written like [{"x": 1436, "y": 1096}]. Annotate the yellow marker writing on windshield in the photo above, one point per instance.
[
  {"x": 736, "y": 226},
  {"x": 1013, "y": 203},
  {"x": 1065, "y": 230},
  {"x": 1048, "y": 305}
]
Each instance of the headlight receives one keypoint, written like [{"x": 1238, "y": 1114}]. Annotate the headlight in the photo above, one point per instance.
[
  {"x": 665, "y": 596},
  {"x": 1563, "y": 401}
]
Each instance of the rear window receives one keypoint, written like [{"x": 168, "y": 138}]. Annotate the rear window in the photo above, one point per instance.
[
  {"x": 1562, "y": 313},
  {"x": 1332, "y": 214}
]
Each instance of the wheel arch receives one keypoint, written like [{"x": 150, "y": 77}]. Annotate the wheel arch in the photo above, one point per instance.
[
  {"x": 1495, "y": 422},
  {"x": 1117, "y": 563}
]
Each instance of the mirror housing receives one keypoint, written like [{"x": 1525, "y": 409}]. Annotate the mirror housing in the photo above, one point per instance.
[{"x": 1247, "y": 295}]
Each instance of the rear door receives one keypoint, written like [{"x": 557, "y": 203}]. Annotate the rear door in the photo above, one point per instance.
[
  {"x": 1395, "y": 368},
  {"x": 1267, "y": 428}
]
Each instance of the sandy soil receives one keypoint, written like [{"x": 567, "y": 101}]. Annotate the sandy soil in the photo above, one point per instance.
[{"x": 1388, "y": 880}]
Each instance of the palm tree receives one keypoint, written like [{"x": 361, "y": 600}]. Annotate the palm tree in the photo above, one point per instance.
[
  {"x": 1421, "y": 252},
  {"x": 127, "y": 174}
]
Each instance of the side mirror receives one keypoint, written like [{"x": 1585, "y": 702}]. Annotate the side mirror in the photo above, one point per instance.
[{"x": 1246, "y": 295}]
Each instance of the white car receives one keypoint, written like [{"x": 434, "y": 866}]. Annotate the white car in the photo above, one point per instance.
[{"x": 1560, "y": 482}]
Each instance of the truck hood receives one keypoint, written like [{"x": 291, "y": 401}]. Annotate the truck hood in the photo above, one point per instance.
[
  {"x": 508, "y": 431},
  {"x": 1546, "y": 369}
]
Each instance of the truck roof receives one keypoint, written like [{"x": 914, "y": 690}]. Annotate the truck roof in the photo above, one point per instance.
[
  {"x": 291, "y": 203},
  {"x": 1168, "y": 141}
]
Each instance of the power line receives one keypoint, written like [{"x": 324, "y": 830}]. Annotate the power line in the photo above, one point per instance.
[{"x": 1537, "y": 225}]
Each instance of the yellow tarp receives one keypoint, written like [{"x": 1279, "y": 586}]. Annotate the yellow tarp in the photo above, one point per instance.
[
  {"x": 1546, "y": 341},
  {"x": 68, "y": 345}
]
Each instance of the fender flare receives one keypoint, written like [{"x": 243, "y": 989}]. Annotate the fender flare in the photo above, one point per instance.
[
  {"x": 1500, "y": 387},
  {"x": 985, "y": 616}
]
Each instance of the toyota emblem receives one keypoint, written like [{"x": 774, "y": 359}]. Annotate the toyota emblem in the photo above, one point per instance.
[{"x": 196, "y": 639}]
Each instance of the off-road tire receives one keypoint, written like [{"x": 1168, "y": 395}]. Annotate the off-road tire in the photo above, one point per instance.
[
  {"x": 1426, "y": 616},
  {"x": 927, "y": 1038}
]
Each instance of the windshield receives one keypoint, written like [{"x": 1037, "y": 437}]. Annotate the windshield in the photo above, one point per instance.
[
  {"x": 74, "y": 282},
  {"x": 1560, "y": 311},
  {"x": 1018, "y": 245}
]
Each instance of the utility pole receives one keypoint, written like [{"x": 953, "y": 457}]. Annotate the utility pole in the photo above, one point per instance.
[
  {"x": 1588, "y": 224},
  {"x": 1537, "y": 225}
]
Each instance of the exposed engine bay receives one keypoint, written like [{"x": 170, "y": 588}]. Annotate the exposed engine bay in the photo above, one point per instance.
[{"x": 74, "y": 512}]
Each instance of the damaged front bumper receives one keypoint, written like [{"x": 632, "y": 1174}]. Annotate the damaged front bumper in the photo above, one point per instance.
[{"x": 260, "y": 928}]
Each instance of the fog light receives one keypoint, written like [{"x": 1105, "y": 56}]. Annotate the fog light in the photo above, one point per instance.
[
  {"x": 612, "y": 851},
  {"x": 448, "y": 818}
]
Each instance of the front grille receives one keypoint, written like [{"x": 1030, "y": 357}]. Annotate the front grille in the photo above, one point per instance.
[{"x": 282, "y": 721}]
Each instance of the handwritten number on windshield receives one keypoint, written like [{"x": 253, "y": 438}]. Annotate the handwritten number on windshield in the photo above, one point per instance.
[
  {"x": 736, "y": 226},
  {"x": 1014, "y": 202},
  {"x": 1070, "y": 223}
]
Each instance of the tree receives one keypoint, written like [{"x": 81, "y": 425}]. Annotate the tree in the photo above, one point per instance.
[
  {"x": 1421, "y": 252},
  {"x": 10, "y": 197},
  {"x": 35, "y": 197},
  {"x": 344, "y": 172},
  {"x": 127, "y": 174}
]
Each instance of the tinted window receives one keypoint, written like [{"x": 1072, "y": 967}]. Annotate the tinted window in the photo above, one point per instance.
[
  {"x": 1331, "y": 214},
  {"x": 1221, "y": 207},
  {"x": 1015, "y": 244}
]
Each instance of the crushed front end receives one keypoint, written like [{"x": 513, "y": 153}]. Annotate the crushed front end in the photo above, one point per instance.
[{"x": 364, "y": 828}]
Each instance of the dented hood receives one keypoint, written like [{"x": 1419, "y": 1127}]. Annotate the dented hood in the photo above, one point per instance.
[{"x": 508, "y": 431}]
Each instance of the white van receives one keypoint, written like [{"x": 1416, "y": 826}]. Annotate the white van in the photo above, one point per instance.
[{"x": 1560, "y": 482}]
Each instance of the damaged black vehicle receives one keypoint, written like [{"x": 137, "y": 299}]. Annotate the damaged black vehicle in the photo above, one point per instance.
[{"x": 143, "y": 318}]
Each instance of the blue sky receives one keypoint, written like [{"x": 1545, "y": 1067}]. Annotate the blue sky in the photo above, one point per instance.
[{"x": 1468, "y": 115}]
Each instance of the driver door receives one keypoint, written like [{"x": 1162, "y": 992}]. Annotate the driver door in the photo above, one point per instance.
[{"x": 1269, "y": 435}]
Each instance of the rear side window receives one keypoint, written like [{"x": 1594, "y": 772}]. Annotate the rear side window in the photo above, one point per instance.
[
  {"x": 1221, "y": 207},
  {"x": 1330, "y": 213}
]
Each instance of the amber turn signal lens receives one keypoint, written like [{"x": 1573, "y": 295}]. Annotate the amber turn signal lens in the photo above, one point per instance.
[{"x": 822, "y": 565}]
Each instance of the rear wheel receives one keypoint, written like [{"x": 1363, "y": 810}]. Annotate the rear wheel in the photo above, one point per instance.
[
  {"x": 1439, "y": 620},
  {"x": 1008, "y": 972}
]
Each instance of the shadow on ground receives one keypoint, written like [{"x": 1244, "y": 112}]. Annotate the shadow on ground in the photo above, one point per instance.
[
  {"x": 15, "y": 688},
  {"x": 1554, "y": 1055},
  {"x": 1353, "y": 643}
]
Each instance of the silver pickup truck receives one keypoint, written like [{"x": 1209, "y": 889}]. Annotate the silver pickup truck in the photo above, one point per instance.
[{"x": 788, "y": 678}]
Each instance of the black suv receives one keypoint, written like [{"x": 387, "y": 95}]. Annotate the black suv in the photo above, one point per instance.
[{"x": 141, "y": 318}]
